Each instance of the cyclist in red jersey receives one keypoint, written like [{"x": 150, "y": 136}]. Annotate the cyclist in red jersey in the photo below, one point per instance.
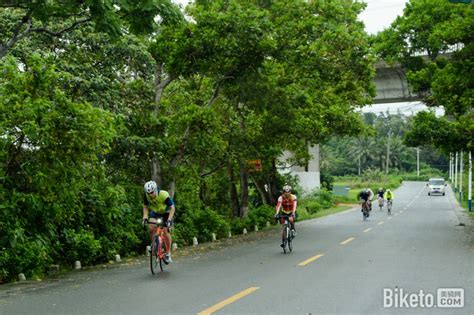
[{"x": 287, "y": 201}]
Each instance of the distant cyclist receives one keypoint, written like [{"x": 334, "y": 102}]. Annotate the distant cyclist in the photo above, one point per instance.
[
  {"x": 364, "y": 197},
  {"x": 371, "y": 197},
  {"x": 389, "y": 195},
  {"x": 157, "y": 203},
  {"x": 380, "y": 193},
  {"x": 380, "y": 197},
  {"x": 287, "y": 201}
]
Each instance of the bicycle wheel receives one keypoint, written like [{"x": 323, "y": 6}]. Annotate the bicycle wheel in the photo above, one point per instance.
[
  {"x": 284, "y": 239},
  {"x": 161, "y": 255},
  {"x": 154, "y": 254},
  {"x": 290, "y": 240}
]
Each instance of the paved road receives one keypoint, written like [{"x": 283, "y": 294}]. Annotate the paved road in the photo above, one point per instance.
[{"x": 340, "y": 265}]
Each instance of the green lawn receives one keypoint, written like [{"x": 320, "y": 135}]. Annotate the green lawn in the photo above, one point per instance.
[{"x": 324, "y": 212}]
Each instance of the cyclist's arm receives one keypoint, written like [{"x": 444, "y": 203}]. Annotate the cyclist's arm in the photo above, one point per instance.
[
  {"x": 277, "y": 209},
  {"x": 169, "y": 202},
  {"x": 294, "y": 206},
  {"x": 145, "y": 206}
]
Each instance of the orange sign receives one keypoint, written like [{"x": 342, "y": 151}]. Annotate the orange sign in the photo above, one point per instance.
[{"x": 257, "y": 165}]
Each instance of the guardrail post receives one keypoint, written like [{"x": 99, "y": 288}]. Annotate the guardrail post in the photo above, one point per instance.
[{"x": 77, "y": 265}]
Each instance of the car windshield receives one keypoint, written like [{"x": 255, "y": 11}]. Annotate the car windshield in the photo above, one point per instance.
[{"x": 436, "y": 182}]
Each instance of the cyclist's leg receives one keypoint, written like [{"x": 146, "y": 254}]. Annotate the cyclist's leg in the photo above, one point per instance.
[
  {"x": 167, "y": 234},
  {"x": 282, "y": 231},
  {"x": 152, "y": 227}
]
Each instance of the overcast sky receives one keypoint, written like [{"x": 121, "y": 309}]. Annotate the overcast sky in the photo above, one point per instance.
[{"x": 378, "y": 15}]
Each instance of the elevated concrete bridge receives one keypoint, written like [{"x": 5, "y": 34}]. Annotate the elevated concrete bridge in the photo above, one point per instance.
[{"x": 391, "y": 85}]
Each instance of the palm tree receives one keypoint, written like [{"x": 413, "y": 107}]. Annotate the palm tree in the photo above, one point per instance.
[{"x": 361, "y": 150}]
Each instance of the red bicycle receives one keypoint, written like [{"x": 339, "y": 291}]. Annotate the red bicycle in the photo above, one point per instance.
[{"x": 158, "y": 247}]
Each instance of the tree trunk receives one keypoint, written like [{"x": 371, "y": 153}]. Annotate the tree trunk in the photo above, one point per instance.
[
  {"x": 172, "y": 187},
  {"x": 234, "y": 198},
  {"x": 161, "y": 82},
  {"x": 244, "y": 187},
  {"x": 156, "y": 171},
  {"x": 260, "y": 184},
  {"x": 359, "y": 166},
  {"x": 160, "y": 85},
  {"x": 274, "y": 194}
]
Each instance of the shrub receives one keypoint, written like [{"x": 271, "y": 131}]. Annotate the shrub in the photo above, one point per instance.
[
  {"x": 312, "y": 206},
  {"x": 261, "y": 215},
  {"x": 237, "y": 225},
  {"x": 201, "y": 224},
  {"x": 82, "y": 246}
]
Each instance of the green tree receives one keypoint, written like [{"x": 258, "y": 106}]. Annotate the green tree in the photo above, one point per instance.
[
  {"x": 23, "y": 19},
  {"x": 441, "y": 31}
]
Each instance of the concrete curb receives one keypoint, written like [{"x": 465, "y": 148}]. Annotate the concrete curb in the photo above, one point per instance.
[{"x": 463, "y": 216}]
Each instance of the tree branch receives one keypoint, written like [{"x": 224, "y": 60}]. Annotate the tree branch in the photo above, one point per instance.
[
  {"x": 215, "y": 169},
  {"x": 59, "y": 33},
  {"x": 16, "y": 34}
]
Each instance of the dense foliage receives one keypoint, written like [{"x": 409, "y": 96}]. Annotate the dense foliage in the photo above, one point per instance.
[
  {"x": 95, "y": 101},
  {"x": 383, "y": 143},
  {"x": 434, "y": 43}
]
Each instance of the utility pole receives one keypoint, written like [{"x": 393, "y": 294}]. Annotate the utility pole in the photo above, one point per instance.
[
  {"x": 418, "y": 162},
  {"x": 460, "y": 177},
  {"x": 450, "y": 166},
  {"x": 469, "y": 184},
  {"x": 388, "y": 151},
  {"x": 456, "y": 173}
]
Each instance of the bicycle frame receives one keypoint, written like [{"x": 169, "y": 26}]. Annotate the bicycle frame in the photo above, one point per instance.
[
  {"x": 389, "y": 205},
  {"x": 158, "y": 246},
  {"x": 365, "y": 209},
  {"x": 287, "y": 238}
]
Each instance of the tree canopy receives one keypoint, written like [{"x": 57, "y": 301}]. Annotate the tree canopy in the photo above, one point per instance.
[
  {"x": 98, "y": 97},
  {"x": 433, "y": 42}
]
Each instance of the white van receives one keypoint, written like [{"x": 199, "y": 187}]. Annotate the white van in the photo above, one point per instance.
[{"x": 436, "y": 186}]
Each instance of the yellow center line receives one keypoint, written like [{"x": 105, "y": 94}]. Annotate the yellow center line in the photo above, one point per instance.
[
  {"x": 350, "y": 239},
  {"x": 367, "y": 230},
  {"x": 307, "y": 261},
  {"x": 228, "y": 301},
  {"x": 380, "y": 223}
]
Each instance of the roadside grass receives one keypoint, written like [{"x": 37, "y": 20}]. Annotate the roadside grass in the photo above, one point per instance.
[{"x": 325, "y": 212}]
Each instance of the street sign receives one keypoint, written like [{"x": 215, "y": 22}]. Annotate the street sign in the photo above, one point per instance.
[{"x": 256, "y": 165}]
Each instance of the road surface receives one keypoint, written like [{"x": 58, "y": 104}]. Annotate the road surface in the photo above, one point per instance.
[{"x": 340, "y": 265}]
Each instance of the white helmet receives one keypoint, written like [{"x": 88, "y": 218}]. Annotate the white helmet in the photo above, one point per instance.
[
  {"x": 150, "y": 187},
  {"x": 388, "y": 190},
  {"x": 287, "y": 188},
  {"x": 380, "y": 188}
]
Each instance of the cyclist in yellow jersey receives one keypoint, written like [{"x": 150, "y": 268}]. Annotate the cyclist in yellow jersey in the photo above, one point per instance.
[
  {"x": 158, "y": 203},
  {"x": 389, "y": 195}
]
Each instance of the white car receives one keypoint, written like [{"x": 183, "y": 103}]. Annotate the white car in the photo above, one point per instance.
[{"x": 436, "y": 186}]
